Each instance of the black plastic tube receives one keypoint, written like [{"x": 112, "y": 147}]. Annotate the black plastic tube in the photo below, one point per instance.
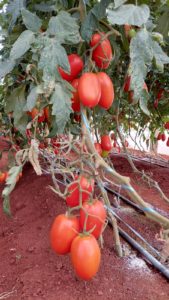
[{"x": 160, "y": 267}]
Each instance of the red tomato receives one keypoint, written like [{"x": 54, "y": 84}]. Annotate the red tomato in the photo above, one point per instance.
[
  {"x": 76, "y": 66},
  {"x": 106, "y": 143},
  {"x": 74, "y": 194},
  {"x": 126, "y": 87},
  {"x": 159, "y": 137},
  {"x": 167, "y": 144},
  {"x": 85, "y": 256},
  {"x": 166, "y": 125},
  {"x": 2, "y": 177},
  {"x": 163, "y": 137},
  {"x": 35, "y": 112},
  {"x": 113, "y": 137},
  {"x": 160, "y": 94},
  {"x": 89, "y": 89},
  {"x": 75, "y": 99},
  {"x": 77, "y": 118},
  {"x": 63, "y": 231},
  {"x": 107, "y": 90},
  {"x": 98, "y": 148},
  {"x": 96, "y": 217},
  {"x": 102, "y": 54},
  {"x": 46, "y": 113}
]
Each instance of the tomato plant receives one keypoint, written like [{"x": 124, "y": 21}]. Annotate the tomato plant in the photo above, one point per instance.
[
  {"x": 63, "y": 231},
  {"x": 85, "y": 256}
]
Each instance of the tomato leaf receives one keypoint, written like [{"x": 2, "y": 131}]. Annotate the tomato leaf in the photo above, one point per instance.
[
  {"x": 16, "y": 102},
  {"x": 65, "y": 28},
  {"x": 31, "y": 99},
  {"x": 22, "y": 44},
  {"x": 91, "y": 21},
  {"x": 6, "y": 67},
  {"x": 31, "y": 21},
  {"x": 53, "y": 55},
  {"x": 118, "y": 3},
  {"x": 61, "y": 109},
  {"x": 129, "y": 14},
  {"x": 10, "y": 185},
  {"x": 163, "y": 24},
  {"x": 45, "y": 7},
  {"x": 14, "y": 9}
]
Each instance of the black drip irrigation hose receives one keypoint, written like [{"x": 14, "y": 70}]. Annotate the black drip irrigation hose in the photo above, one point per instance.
[{"x": 160, "y": 267}]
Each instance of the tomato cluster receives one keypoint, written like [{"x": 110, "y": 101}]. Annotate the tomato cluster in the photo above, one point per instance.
[
  {"x": 104, "y": 147},
  {"x": 43, "y": 115},
  {"x": 78, "y": 235}
]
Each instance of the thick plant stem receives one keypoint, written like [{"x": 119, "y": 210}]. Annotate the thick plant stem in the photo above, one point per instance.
[
  {"x": 118, "y": 247},
  {"x": 119, "y": 179}
]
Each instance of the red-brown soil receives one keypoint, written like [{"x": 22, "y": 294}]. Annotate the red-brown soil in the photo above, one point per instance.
[{"x": 30, "y": 269}]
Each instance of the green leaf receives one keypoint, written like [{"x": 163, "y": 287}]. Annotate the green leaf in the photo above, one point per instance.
[
  {"x": 6, "y": 67},
  {"x": 143, "y": 50},
  {"x": 31, "y": 21},
  {"x": 91, "y": 21},
  {"x": 45, "y": 7},
  {"x": 16, "y": 102},
  {"x": 65, "y": 28},
  {"x": 22, "y": 44},
  {"x": 52, "y": 56},
  {"x": 10, "y": 185},
  {"x": 118, "y": 3},
  {"x": 129, "y": 14},
  {"x": 61, "y": 105},
  {"x": 14, "y": 9},
  {"x": 163, "y": 24},
  {"x": 31, "y": 99}
]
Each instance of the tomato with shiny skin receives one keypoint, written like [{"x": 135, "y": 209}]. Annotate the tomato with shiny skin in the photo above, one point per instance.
[
  {"x": 98, "y": 148},
  {"x": 2, "y": 177},
  {"x": 106, "y": 143},
  {"x": 163, "y": 137},
  {"x": 63, "y": 231},
  {"x": 85, "y": 256},
  {"x": 89, "y": 89},
  {"x": 107, "y": 90},
  {"x": 75, "y": 99},
  {"x": 94, "y": 214},
  {"x": 76, "y": 66},
  {"x": 102, "y": 54},
  {"x": 86, "y": 184}
]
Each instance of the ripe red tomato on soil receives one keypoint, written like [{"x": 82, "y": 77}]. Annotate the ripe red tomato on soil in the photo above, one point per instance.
[
  {"x": 93, "y": 214},
  {"x": 89, "y": 89},
  {"x": 106, "y": 142},
  {"x": 98, "y": 148},
  {"x": 85, "y": 256},
  {"x": 75, "y": 99},
  {"x": 76, "y": 66},
  {"x": 107, "y": 90},
  {"x": 63, "y": 231},
  {"x": 84, "y": 184},
  {"x": 102, "y": 54}
]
